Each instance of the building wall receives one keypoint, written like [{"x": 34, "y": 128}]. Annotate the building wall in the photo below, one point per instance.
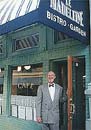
[
  {"x": 45, "y": 53},
  {"x": 88, "y": 90}
]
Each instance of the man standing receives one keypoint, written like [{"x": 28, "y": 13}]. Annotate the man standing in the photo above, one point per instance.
[{"x": 49, "y": 98}]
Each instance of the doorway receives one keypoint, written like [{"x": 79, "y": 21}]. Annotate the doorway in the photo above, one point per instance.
[{"x": 77, "y": 111}]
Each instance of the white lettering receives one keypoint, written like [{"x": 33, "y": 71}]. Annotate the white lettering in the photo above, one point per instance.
[
  {"x": 56, "y": 19},
  {"x": 68, "y": 12},
  {"x": 53, "y": 4},
  {"x": 68, "y": 2},
  {"x": 63, "y": 22},
  {"x": 78, "y": 30},
  {"x": 59, "y": 6}
]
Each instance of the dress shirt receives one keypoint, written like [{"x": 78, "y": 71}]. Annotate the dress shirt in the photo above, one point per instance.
[{"x": 52, "y": 91}]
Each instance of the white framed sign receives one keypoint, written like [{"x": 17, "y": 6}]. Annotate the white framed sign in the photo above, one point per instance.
[
  {"x": 21, "y": 112},
  {"x": 29, "y": 114},
  {"x": 14, "y": 110}
]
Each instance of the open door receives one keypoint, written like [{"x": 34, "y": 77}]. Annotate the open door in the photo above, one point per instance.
[
  {"x": 71, "y": 107},
  {"x": 75, "y": 92},
  {"x": 71, "y": 76}
]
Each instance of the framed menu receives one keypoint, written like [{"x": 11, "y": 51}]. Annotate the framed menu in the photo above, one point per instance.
[
  {"x": 29, "y": 113},
  {"x": 21, "y": 112},
  {"x": 14, "y": 110}
]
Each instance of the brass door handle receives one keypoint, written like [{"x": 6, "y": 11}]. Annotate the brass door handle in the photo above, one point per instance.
[{"x": 72, "y": 108}]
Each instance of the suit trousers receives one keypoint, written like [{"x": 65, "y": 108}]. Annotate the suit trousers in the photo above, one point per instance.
[{"x": 46, "y": 126}]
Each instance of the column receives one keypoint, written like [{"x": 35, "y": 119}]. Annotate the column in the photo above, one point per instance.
[
  {"x": 6, "y": 91},
  {"x": 45, "y": 70}
]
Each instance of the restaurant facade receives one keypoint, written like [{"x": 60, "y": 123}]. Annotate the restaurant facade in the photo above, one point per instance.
[{"x": 35, "y": 37}]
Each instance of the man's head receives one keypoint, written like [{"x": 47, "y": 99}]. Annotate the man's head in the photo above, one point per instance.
[{"x": 51, "y": 77}]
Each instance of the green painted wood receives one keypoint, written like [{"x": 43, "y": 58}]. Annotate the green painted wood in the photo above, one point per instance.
[{"x": 45, "y": 53}]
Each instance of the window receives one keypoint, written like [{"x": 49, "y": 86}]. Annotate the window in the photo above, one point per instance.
[
  {"x": 26, "y": 42},
  {"x": 1, "y": 80},
  {"x": 25, "y": 82},
  {"x": 59, "y": 36},
  {"x": 1, "y": 88},
  {"x": 1, "y": 48}
]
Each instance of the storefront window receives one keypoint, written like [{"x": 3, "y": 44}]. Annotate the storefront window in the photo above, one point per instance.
[
  {"x": 59, "y": 36},
  {"x": 25, "y": 82},
  {"x": 26, "y": 42},
  {"x": 1, "y": 48}
]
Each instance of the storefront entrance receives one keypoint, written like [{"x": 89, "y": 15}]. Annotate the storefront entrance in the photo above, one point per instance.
[{"x": 71, "y": 76}]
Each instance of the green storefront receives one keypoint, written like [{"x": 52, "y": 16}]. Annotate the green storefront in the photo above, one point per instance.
[{"x": 27, "y": 53}]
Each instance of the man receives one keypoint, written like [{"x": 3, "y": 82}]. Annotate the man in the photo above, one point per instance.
[{"x": 49, "y": 97}]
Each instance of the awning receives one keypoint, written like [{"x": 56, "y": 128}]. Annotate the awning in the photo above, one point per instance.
[{"x": 63, "y": 15}]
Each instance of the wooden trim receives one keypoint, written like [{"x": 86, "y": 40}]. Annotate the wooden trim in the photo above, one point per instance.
[{"x": 69, "y": 92}]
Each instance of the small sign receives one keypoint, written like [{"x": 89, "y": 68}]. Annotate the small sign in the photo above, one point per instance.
[
  {"x": 21, "y": 112},
  {"x": 14, "y": 110},
  {"x": 90, "y": 107},
  {"x": 34, "y": 114},
  {"x": 28, "y": 113}
]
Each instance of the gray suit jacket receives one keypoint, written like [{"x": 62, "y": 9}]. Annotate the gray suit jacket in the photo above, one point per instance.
[{"x": 45, "y": 107}]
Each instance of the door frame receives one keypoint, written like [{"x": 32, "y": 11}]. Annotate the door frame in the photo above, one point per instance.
[{"x": 70, "y": 106}]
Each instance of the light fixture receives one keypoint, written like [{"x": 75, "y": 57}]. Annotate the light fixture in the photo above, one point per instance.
[
  {"x": 77, "y": 64},
  {"x": 19, "y": 68},
  {"x": 27, "y": 67},
  {"x": 84, "y": 76}
]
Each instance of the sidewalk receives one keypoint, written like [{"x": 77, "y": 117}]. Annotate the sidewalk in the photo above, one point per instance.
[{"x": 17, "y": 124}]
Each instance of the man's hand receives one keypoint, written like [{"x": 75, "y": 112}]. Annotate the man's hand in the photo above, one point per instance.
[{"x": 39, "y": 119}]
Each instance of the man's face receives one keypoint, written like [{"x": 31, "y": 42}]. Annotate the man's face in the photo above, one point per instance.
[{"x": 51, "y": 76}]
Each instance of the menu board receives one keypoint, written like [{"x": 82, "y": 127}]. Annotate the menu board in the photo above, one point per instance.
[
  {"x": 21, "y": 112},
  {"x": 34, "y": 114},
  {"x": 14, "y": 110},
  {"x": 90, "y": 106},
  {"x": 29, "y": 115}
]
